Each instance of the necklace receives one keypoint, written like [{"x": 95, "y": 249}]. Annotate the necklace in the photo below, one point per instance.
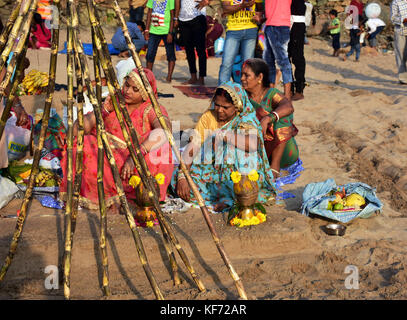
[{"x": 265, "y": 90}]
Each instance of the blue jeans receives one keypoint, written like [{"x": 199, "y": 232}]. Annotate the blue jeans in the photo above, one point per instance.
[
  {"x": 353, "y": 48},
  {"x": 276, "y": 50},
  {"x": 243, "y": 41},
  {"x": 372, "y": 37}
]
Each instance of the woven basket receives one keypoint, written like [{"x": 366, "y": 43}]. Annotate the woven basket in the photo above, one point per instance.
[{"x": 246, "y": 191}]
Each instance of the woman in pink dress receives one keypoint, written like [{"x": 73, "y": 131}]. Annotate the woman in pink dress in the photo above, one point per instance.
[
  {"x": 154, "y": 145},
  {"x": 40, "y": 34}
]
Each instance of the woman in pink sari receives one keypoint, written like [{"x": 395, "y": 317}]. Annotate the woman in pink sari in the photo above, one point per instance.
[{"x": 154, "y": 145}]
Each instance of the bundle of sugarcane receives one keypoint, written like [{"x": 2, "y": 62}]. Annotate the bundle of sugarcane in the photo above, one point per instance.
[
  {"x": 204, "y": 209},
  {"x": 37, "y": 152}
]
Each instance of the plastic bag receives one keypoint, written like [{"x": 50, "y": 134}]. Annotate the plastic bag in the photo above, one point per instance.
[
  {"x": 219, "y": 44},
  {"x": 316, "y": 198},
  {"x": 8, "y": 190},
  {"x": 17, "y": 139}
]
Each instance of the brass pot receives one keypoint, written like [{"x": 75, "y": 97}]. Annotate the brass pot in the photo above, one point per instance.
[
  {"x": 145, "y": 211},
  {"x": 246, "y": 191}
]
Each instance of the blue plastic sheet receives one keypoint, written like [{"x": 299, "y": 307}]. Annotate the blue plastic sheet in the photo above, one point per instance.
[
  {"x": 293, "y": 173},
  {"x": 50, "y": 202},
  {"x": 88, "y": 49},
  {"x": 315, "y": 200}
]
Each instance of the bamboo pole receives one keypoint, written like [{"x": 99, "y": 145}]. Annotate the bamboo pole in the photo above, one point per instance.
[
  {"x": 9, "y": 24},
  {"x": 101, "y": 192},
  {"x": 112, "y": 162},
  {"x": 69, "y": 177},
  {"x": 139, "y": 158},
  {"x": 23, "y": 34},
  {"x": 201, "y": 203},
  {"x": 37, "y": 153}
]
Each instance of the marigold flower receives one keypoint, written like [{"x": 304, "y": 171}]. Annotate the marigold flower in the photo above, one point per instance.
[
  {"x": 149, "y": 224},
  {"x": 160, "y": 178},
  {"x": 134, "y": 181},
  {"x": 235, "y": 176},
  {"x": 253, "y": 175}
]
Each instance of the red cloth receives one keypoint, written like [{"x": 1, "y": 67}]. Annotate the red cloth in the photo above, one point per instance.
[
  {"x": 359, "y": 5},
  {"x": 142, "y": 121}
]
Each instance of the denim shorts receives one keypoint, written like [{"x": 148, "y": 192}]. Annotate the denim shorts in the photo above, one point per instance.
[{"x": 153, "y": 43}]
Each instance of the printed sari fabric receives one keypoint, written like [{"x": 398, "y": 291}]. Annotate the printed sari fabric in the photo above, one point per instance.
[
  {"x": 158, "y": 160},
  {"x": 212, "y": 167},
  {"x": 281, "y": 131}
]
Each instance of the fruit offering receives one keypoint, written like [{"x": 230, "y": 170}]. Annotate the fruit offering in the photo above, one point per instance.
[{"x": 343, "y": 202}]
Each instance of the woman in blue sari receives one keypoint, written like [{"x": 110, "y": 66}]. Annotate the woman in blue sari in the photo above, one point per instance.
[{"x": 227, "y": 138}]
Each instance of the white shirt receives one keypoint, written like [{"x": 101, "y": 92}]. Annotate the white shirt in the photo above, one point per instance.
[
  {"x": 374, "y": 23},
  {"x": 188, "y": 10}
]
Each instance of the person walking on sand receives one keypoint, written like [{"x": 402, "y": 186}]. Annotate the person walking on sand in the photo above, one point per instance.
[
  {"x": 398, "y": 16},
  {"x": 241, "y": 33},
  {"x": 296, "y": 47},
  {"x": 160, "y": 24},
  {"x": 277, "y": 37},
  {"x": 192, "y": 23},
  {"x": 335, "y": 31}
]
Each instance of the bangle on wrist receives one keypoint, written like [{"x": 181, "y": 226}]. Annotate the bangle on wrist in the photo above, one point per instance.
[
  {"x": 104, "y": 107},
  {"x": 277, "y": 116},
  {"x": 180, "y": 176}
]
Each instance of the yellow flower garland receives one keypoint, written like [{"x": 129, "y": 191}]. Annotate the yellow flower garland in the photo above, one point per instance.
[{"x": 257, "y": 219}]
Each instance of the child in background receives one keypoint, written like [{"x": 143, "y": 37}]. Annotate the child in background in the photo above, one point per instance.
[
  {"x": 335, "y": 31},
  {"x": 40, "y": 35},
  {"x": 375, "y": 26},
  {"x": 355, "y": 33},
  {"x": 159, "y": 27}
]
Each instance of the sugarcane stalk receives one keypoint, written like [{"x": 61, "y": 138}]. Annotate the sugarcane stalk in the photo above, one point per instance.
[
  {"x": 101, "y": 192},
  {"x": 9, "y": 24},
  {"x": 12, "y": 95},
  {"x": 27, "y": 6},
  {"x": 79, "y": 144},
  {"x": 195, "y": 190},
  {"x": 143, "y": 169},
  {"x": 37, "y": 153},
  {"x": 112, "y": 162},
  {"x": 25, "y": 31},
  {"x": 69, "y": 149}
]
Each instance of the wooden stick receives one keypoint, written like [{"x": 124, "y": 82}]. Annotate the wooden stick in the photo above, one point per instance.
[
  {"x": 204, "y": 209},
  {"x": 113, "y": 166},
  {"x": 37, "y": 152},
  {"x": 101, "y": 192}
]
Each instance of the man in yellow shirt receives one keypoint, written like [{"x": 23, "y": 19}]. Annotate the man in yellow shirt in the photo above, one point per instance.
[{"x": 241, "y": 33}]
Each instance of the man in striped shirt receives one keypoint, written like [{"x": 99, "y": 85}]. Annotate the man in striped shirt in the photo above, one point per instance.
[{"x": 399, "y": 18}]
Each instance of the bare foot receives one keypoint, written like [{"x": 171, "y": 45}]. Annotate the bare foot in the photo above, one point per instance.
[
  {"x": 191, "y": 81},
  {"x": 344, "y": 58},
  {"x": 168, "y": 79}
]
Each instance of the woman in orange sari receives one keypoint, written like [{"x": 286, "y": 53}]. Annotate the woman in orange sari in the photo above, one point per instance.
[{"x": 154, "y": 145}]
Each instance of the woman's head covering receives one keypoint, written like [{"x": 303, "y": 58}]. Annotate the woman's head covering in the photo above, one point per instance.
[
  {"x": 239, "y": 97},
  {"x": 135, "y": 76}
]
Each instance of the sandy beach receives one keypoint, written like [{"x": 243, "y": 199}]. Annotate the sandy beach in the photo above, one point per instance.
[{"x": 352, "y": 127}]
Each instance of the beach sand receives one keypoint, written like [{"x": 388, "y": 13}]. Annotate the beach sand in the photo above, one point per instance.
[{"x": 352, "y": 127}]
